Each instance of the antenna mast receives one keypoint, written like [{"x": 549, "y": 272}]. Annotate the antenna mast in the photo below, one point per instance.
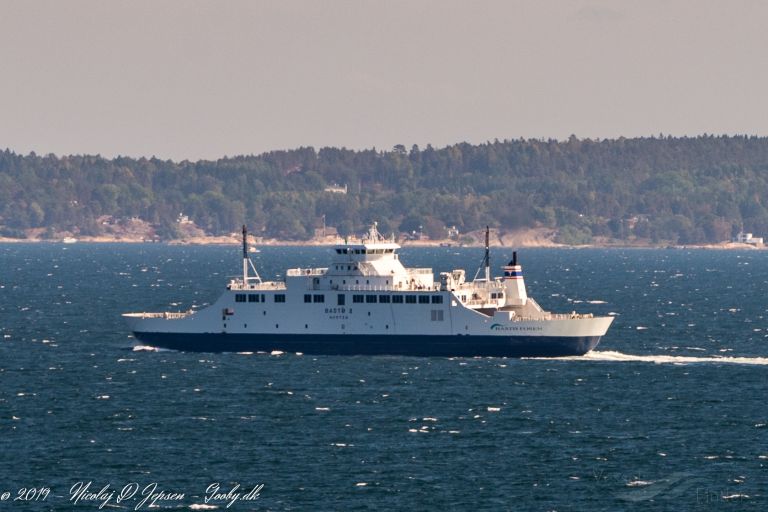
[
  {"x": 247, "y": 261},
  {"x": 487, "y": 260},
  {"x": 245, "y": 256}
]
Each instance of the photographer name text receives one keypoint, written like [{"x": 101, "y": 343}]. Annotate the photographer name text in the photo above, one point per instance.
[{"x": 133, "y": 494}]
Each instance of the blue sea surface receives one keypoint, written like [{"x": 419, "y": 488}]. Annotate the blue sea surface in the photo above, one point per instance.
[{"x": 669, "y": 413}]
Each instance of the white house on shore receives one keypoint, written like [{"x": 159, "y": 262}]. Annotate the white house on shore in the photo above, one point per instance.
[
  {"x": 747, "y": 238},
  {"x": 336, "y": 189}
]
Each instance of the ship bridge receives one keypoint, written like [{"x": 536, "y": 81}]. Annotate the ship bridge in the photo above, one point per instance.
[
  {"x": 370, "y": 263},
  {"x": 372, "y": 247}
]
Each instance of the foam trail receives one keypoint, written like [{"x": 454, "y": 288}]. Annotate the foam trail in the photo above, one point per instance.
[
  {"x": 614, "y": 356},
  {"x": 149, "y": 348}
]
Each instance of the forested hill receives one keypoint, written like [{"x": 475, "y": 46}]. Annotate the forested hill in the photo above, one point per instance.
[{"x": 665, "y": 189}]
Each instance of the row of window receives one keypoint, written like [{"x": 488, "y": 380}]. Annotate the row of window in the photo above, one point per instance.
[
  {"x": 357, "y": 299},
  {"x": 257, "y": 297},
  {"x": 344, "y": 281},
  {"x": 364, "y": 251},
  {"x": 398, "y": 299},
  {"x": 349, "y": 267}
]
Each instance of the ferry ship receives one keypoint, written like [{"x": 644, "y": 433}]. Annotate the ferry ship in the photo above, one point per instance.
[{"x": 367, "y": 302}]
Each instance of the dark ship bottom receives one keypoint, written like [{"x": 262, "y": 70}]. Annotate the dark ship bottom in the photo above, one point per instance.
[{"x": 415, "y": 345}]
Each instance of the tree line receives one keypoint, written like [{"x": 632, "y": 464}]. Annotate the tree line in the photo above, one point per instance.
[{"x": 662, "y": 189}]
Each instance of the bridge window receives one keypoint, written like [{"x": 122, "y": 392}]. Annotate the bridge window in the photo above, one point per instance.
[
  {"x": 318, "y": 298},
  {"x": 239, "y": 297},
  {"x": 279, "y": 297},
  {"x": 307, "y": 297},
  {"x": 423, "y": 299},
  {"x": 437, "y": 299},
  {"x": 370, "y": 299},
  {"x": 384, "y": 298},
  {"x": 410, "y": 299},
  {"x": 340, "y": 299},
  {"x": 253, "y": 297},
  {"x": 357, "y": 299},
  {"x": 397, "y": 299}
]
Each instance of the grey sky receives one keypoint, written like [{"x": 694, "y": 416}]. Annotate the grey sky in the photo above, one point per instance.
[{"x": 189, "y": 80}]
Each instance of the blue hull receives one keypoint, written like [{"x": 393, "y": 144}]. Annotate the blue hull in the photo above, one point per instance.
[{"x": 442, "y": 346}]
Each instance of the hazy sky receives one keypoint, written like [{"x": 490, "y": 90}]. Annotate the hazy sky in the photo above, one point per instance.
[{"x": 189, "y": 80}]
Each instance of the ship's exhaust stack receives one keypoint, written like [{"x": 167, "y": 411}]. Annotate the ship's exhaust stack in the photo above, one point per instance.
[{"x": 514, "y": 284}]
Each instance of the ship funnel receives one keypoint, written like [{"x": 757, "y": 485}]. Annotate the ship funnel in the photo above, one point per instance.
[{"x": 514, "y": 284}]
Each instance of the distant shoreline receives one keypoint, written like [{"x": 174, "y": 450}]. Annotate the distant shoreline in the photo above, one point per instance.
[{"x": 231, "y": 240}]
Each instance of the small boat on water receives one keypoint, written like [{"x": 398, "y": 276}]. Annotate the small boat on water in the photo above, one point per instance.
[{"x": 367, "y": 302}]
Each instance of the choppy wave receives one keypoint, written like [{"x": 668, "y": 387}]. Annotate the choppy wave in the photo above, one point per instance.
[{"x": 614, "y": 356}]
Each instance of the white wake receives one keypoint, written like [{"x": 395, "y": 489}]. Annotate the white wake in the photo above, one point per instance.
[
  {"x": 613, "y": 356},
  {"x": 149, "y": 348}
]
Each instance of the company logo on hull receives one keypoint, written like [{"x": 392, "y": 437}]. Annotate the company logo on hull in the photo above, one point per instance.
[{"x": 501, "y": 327}]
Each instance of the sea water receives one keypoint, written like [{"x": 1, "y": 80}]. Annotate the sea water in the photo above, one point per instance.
[{"x": 669, "y": 413}]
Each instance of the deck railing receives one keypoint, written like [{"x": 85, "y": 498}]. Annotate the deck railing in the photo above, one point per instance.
[{"x": 168, "y": 315}]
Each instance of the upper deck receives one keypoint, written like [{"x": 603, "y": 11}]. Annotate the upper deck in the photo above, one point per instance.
[{"x": 237, "y": 284}]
